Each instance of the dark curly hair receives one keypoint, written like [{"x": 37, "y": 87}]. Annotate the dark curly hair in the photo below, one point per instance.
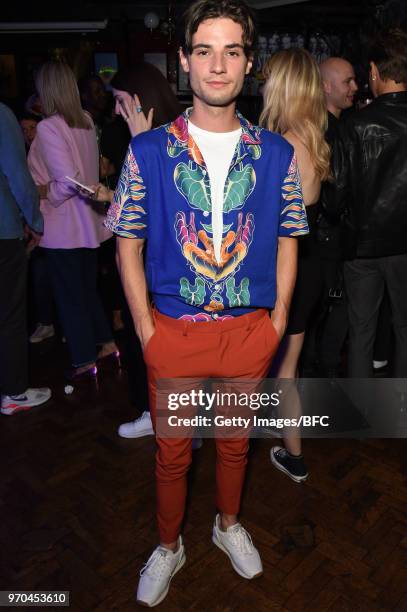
[{"x": 236, "y": 10}]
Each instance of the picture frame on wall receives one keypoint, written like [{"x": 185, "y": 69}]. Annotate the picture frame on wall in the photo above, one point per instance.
[
  {"x": 106, "y": 66},
  {"x": 320, "y": 45}
]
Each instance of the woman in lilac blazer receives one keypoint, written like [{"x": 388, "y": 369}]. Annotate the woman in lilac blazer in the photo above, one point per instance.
[{"x": 66, "y": 145}]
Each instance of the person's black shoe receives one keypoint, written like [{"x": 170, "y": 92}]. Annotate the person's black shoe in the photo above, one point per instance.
[{"x": 293, "y": 466}]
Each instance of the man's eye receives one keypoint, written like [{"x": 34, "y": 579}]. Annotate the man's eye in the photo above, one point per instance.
[
  {"x": 234, "y": 53},
  {"x": 202, "y": 52}
]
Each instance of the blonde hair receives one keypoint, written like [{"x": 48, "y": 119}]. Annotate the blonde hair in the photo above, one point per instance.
[
  {"x": 294, "y": 100},
  {"x": 58, "y": 91}
]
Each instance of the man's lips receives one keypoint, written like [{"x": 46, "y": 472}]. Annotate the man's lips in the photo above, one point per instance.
[{"x": 217, "y": 83}]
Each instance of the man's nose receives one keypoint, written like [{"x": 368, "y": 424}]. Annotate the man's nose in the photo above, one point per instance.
[{"x": 218, "y": 63}]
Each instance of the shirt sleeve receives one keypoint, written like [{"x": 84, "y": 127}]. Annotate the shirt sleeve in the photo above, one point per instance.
[
  {"x": 58, "y": 158},
  {"x": 293, "y": 217},
  {"x": 127, "y": 215},
  {"x": 14, "y": 167}
]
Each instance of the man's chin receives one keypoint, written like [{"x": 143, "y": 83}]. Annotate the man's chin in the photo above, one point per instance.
[{"x": 219, "y": 101}]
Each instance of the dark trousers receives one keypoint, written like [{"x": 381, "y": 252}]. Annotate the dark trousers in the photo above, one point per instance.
[
  {"x": 40, "y": 286},
  {"x": 136, "y": 368},
  {"x": 335, "y": 326},
  {"x": 13, "y": 318},
  {"x": 383, "y": 343},
  {"x": 73, "y": 273},
  {"x": 366, "y": 280},
  {"x": 109, "y": 279}
]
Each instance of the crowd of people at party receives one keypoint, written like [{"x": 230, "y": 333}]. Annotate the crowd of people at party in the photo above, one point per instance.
[{"x": 303, "y": 217}]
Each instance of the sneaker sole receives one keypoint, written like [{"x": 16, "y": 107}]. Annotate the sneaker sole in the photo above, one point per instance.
[
  {"x": 237, "y": 569},
  {"x": 297, "y": 479},
  {"x": 143, "y": 434},
  {"x": 38, "y": 340},
  {"x": 15, "y": 409},
  {"x": 23, "y": 407},
  {"x": 165, "y": 593}
]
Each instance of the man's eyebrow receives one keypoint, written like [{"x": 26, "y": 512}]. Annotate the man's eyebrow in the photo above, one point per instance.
[{"x": 205, "y": 46}]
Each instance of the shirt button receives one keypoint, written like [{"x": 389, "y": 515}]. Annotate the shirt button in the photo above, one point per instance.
[
  {"x": 206, "y": 213},
  {"x": 217, "y": 287}
]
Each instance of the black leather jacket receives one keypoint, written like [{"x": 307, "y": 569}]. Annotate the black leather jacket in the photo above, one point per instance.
[
  {"x": 329, "y": 232},
  {"x": 370, "y": 168}
]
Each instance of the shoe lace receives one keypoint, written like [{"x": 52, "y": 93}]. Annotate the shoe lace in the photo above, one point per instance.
[
  {"x": 241, "y": 539},
  {"x": 157, "y": 563}
]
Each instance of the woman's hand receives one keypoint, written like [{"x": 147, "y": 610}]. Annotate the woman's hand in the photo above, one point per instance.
[
  {"x": 133, "y": 114},
  {"x": 102, "y": 193},
  {"x": 32, "y": 239}
]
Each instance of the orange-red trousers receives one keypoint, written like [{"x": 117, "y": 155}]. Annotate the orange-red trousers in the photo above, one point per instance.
[{"x": 241, "y": 347}]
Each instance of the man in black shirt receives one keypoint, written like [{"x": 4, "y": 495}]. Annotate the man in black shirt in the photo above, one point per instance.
[{"x": 340, "y": 87}]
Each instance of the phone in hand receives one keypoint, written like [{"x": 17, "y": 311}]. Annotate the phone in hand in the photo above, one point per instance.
[{"x": 84, "y": 187}]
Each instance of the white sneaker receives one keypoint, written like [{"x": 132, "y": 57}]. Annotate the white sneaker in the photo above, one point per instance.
[
  {"x": 42, "y": 333},
  {"x": 157, "y": 573},
  {"x": 138, "y": 428},
  {"x": 379, "y": 364},
  {"x": 238, "y": 546},
  {"x": 10, "y": 404}
]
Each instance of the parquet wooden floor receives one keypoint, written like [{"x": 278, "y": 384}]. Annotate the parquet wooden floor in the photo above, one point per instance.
[{"x": 77, "y": 513}]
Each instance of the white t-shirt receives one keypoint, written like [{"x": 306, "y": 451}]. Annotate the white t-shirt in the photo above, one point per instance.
[{"x": 217, "y": 149}]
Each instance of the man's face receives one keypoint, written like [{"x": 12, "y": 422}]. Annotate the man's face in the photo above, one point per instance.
[
  {"x": 217, "y": 64},
  {"x": 342, "y": 86},
  {"x": 29, "y": 127}
]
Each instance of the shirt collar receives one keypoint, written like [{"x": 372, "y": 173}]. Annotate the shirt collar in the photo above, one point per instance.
[{"x": 180, "y": 140}]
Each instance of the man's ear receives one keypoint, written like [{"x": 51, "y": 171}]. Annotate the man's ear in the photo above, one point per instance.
[
  {"x": 184, "y": 60},
  {"x": 374, "y": 71},
  {"x": 326, "y": 86},
  {"x": 249, "y": 66}
]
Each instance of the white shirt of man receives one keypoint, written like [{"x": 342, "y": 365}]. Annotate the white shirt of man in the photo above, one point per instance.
[{"x": 217, "y": 149}]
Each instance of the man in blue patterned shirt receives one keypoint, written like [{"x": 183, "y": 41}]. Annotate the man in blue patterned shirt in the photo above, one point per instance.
[{"x": 216, "y": 202}]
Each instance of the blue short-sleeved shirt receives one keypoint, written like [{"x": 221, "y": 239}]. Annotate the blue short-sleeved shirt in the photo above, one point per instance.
[{"x": 163, "y": 195}]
